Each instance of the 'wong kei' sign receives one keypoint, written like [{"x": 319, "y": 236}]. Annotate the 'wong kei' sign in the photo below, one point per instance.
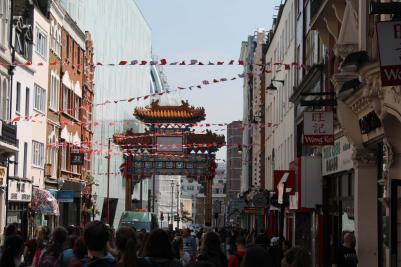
[
  {"x": 389, "y": 36},
  {"x": 318, "y": 128}
]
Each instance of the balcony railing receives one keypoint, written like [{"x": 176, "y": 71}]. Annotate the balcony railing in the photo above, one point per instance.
[
  {"x": 314, "y": 7},
  {"x": 8, "y": 133}
]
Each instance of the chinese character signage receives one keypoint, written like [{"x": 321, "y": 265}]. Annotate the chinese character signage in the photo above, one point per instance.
[
  {"x": 318, "y": 128},
  {"x": 389, "y": 36}
]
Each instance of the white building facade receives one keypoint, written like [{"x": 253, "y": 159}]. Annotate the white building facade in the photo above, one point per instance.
[
  {"x": 278, "y": 109},
  {"x": 120, "y": 32}
]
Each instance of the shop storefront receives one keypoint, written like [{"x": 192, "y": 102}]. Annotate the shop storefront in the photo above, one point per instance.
[
  {"x": 69, "y": 198},
  {"x": 19, "y": 197},
  {"x": 338, "y": 194}
]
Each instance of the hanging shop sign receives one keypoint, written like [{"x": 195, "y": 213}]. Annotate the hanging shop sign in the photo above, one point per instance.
[
  {"x": 389, "y": 36},
  {"x": 287, "y": 177},
  {"x": 77, "y": 158},
  {"x": 318, "y": 128},
  {"x": 338, "y": 157},
  {"x": 260, "y": 200}
]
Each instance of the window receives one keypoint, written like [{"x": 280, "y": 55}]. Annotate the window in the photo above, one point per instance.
[
  {"x": 27, "y": 107},
  {"x": 64, "y": 158},
  {"x": 41, "y": 43},
  {"x": 37, "y": 154},
  {"x": 24, "y": 170},
  {"x": 16, "y": 165},
  {"x": 54, "y": 91},
  {"x": 4, "y": 100},
  {"x": 77, "y": 107},
  {"x": 39, "y": 99},
  {"x": 65, "y": 98},
  {"x": 67, "y": 50},
  {"x": 18, "y": 98}
]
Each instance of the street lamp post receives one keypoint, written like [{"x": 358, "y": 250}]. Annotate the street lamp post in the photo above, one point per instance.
[
  {"x": 178, "y": 203},
  {"x": 172, "y": 202},
  {"x": 94, "y": 199}
]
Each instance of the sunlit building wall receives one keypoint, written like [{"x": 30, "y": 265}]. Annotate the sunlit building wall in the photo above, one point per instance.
[{"x": 120, "y": 32}]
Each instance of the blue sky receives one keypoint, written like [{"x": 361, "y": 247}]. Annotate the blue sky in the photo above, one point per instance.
[{"x": 205, "y": 30}]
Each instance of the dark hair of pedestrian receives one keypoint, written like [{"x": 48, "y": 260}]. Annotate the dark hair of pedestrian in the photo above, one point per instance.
[
  {"x": 13, "y": 248},
  {"x": 298, "y": 257},
  {"x": 158, "y": 245},
  {"x": 142, "y": 240},
  {"x": 240, "y": 240},
  {"x": 211, "y": 244},
  {"x": 177, "y": 245},
  {"x": 58, "y": 239},
  {"x": 11, "y": 229},
  {"x": 126, "y": 243},
  {"x": 199, "y": 264},
  {"x": 96, "y": 236},
  {"x": 256, "y": 255},
  {"x": 79, "y": 248}
]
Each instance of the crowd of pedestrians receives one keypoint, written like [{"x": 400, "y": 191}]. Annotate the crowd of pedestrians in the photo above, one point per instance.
[{"x": 99, "y": 246}]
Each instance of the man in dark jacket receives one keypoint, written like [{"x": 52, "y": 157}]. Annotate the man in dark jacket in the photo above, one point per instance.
[{"x": 96, "y": 236}]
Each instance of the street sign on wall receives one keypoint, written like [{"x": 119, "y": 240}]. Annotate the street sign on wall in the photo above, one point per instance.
[
  {"x": 389, "y": 36},
  {"x": 337, "y": 158},
  {"x": 318, "y": 128}
]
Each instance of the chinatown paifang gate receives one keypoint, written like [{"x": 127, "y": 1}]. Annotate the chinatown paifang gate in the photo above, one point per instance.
[{"x": 170, "y": 147}]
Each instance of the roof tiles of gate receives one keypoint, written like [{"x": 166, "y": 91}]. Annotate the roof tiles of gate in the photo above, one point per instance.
[{"x": 155, "y": 113}]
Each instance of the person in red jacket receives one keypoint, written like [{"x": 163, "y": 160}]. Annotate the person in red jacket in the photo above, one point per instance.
[{"x": 236, "y": 259}]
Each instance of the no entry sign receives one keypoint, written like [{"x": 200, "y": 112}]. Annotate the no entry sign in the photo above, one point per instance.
[{"x": 389, "y": 36}]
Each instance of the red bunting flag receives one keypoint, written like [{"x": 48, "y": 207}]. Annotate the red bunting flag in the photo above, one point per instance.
[
  {"x": 144, "y": 62},
  {"x": 123, "y": 62},
  {"x": 240, "y": 62},
  {"x": 287, "y": 66},
  {"x": 163, "y": 61},
  {"x": 220, "y": 62},
  {"x": 53, "y": 63},
  {"x": 146, "y": 97},
  {"x": 99, "y": 64},
  {"x": 205, "y": 82},
  {"x": 134, "y": 62}
]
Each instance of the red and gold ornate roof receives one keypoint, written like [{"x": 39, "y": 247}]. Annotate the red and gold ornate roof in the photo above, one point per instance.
[{"x": 155, "y": 113}]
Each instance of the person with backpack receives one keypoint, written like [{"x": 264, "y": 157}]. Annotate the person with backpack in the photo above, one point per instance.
[
  {"x": 96, "y": 236},
  {"x": 236, "y": 259},
  {"x": 52, "y": 256},
  {"x": 158, "y": 252}
]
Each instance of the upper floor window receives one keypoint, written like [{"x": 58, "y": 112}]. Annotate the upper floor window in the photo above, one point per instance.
[
  {"x": 4, "y": 14},
  {"x": 41, "y": 43},
  {"x": 4, "y": 99},
  {"x": 39, "y": 99},
  {"x": 37, "y": 154},
  {"x": 23, "y": 38},
  {"x": 54, "y": 91}
]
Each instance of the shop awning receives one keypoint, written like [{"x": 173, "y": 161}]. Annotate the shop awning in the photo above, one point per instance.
[{"x": 44, "y": 202}]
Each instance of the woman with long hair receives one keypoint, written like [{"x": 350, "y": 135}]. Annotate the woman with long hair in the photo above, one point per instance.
[
  {"x": 257, "y": 256},
  {"x": 127, "y": 247},
  {"x": 57, "y": 244},
  {"x": 13, "y": 248},
  {"x": 158, "y": 251},
  {"x": 178, "y": 250},
  {"x": 211, "y": 250}
]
